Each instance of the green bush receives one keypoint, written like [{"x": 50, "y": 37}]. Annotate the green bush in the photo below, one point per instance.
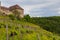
[{"x": 12, "y": 17}]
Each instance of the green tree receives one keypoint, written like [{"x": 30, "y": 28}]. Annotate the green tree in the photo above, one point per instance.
[{"x": 27, "y": 18}]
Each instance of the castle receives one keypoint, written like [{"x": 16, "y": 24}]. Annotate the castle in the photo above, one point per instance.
[{"x": 15, "y": 9}]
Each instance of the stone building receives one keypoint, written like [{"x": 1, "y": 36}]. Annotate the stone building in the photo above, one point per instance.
[
  {"x": 15, "y": 9},
  {"x": 5, "y": 10}
]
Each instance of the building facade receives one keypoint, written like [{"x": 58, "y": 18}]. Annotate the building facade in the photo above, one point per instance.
[{"x": 15, "y": 9}]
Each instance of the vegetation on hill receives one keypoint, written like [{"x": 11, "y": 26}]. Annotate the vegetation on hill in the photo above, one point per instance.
[
  {"x": 21, "y": 29},
  {"x": 51, "y": 24}
]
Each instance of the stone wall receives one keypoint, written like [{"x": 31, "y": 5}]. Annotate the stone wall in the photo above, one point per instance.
[
  {"x": 7, "y": 12},
  {"x": 21, "y": 12}
]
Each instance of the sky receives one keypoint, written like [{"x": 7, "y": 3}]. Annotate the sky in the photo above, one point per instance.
[{"x": 36, "y": 8}]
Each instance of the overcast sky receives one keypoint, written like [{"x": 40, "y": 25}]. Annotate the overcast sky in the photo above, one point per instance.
[{"x": 36, "y": 7}]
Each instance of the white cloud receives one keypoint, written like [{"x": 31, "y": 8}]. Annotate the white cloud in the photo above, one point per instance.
[
  {"x": 28, "y": 8},
  {"x": 28, "y": 5},
  {"x": 58, "y": 11}
]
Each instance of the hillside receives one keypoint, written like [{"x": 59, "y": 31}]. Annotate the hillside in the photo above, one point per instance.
[
  {"x": 21, "y": 30},
  {"x": 51, "y": 24}
]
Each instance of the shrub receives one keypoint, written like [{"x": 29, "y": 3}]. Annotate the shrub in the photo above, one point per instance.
[{"x": 12, "y": 16}]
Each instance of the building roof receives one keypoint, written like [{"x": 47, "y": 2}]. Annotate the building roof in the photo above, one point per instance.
[
  {"x": 15, "y": 7},
  {"x": 4, "y": 8}
]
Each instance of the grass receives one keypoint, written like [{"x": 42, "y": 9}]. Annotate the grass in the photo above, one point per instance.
[{"x": 23, "y": 30}]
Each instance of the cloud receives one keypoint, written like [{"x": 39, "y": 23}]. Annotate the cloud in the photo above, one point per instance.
[
  {"x": 36, "y": 7},
  {"x": 29, "y": 8},
  {"x": 58, "y": 10}
]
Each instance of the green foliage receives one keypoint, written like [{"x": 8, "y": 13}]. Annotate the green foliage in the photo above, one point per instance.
[
  {"x": 22, "y": 30},
  {"x": 16, "y": 13},
  {"x": 51, "y": 24},
  {"x": 12, "y": 17},
  {"x": 27, "y": 17}
]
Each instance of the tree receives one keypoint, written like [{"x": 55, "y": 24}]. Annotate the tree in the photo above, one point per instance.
[{"x": 27, "y": 17}]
